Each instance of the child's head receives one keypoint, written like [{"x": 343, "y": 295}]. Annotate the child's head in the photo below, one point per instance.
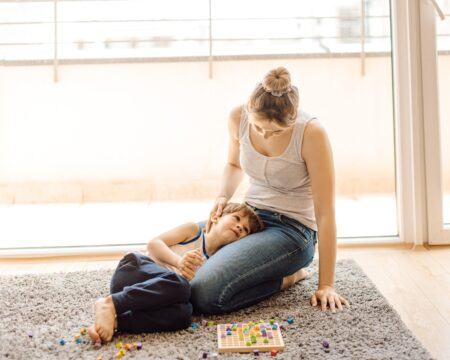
[{"x": 236, "y": 221}]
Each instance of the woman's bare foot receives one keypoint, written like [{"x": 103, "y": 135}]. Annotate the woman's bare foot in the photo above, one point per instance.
[
  {"x": 95, "y": 337},
  {"x": 105, "y": 315},
  {"x": 290, "y": 280}
]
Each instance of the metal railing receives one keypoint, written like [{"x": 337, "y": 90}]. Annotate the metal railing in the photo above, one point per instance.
[{"x": 363, "y": 37}]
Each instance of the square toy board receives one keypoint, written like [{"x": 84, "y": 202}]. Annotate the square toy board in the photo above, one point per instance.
[{"x": 247, "y": 337}]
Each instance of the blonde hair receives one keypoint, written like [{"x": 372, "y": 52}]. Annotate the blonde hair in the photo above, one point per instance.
[{"x": 275, "y": 99}]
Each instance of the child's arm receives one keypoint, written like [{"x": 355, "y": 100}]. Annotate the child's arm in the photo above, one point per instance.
[{"x": 159, "y": 247}]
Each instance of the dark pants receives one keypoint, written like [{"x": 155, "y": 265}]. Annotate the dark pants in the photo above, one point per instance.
[{"x": 149, "y": 297}]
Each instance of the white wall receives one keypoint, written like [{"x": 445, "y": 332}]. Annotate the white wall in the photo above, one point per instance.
[{"x": 166, "y": 122}]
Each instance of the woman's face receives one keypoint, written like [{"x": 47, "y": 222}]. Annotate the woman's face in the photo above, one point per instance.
[{"x": 267, "y": 128}]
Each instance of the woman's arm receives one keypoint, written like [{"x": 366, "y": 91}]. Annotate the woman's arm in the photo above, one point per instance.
[
  {"x": 317, "y": 153},
  {"x": 232, "y": 174}
]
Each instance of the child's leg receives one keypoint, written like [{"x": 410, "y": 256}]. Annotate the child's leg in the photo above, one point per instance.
[
  {"x": 158, "y": 291},
  {"x": 170, "y": 318},
  {"x": 134, "y": 268}
]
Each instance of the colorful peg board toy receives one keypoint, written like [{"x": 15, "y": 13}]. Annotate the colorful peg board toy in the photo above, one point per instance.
[{"x": 247, "y": 337}]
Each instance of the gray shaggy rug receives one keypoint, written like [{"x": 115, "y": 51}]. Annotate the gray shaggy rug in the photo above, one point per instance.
[{"x": 37, "y": 311}]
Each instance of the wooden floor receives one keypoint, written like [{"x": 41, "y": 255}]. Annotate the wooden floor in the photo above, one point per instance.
[{"x": 415, "y": 282}]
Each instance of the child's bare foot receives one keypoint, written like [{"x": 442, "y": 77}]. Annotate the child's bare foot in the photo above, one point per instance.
[
  {"x": 105, "y": 314},
  {"x": 290, "y": 280},
  {"x": 95, "y": 337}
]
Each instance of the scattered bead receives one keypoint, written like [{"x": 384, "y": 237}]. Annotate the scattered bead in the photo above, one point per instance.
[
  {"x": 256, "y": 352},
  {"x": 30, "y": 334},
  {"x": 282, "y": 327},
  {"x": 248, "y": 343},
  {"x": 290, "y": 320},
  {"x": 76, "y": 337},
  {"x": 205, "y": 355},
  {"x": 78, "y": 341},
  {"x": 266, "y": 341},
  {"x": 214, "y": 355},
  {"x": 272, "y": 321},
  {"x": 119, "y": 345},
  {"x": 83, "y": 331},
  {"x": 274, "y": 327},
  {"x": 139, "y": 346},
  {"x": 211, "y": 323},
  {"x": 195, "y": 326},
  {"x": 273, "y": 353},
  {"x": 325, "y": 344},
  {"x": 61, "y": 342},
  {"x": 129, "y": 347}
]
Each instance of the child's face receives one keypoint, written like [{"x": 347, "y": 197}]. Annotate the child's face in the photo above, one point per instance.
[{"x": 230, "y": 227}]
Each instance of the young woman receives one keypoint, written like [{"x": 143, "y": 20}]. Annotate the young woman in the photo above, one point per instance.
[{"x": 287, "y": 156}]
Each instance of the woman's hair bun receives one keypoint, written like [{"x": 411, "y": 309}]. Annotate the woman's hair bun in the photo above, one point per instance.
[{"x": 277, "y": 80}]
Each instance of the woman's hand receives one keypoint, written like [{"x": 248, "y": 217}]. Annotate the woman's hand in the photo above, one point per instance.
[
  {"x": 189, "y": 263},
  {"x": 219, "y": 205},
  {"x": 327, "y": 296}
]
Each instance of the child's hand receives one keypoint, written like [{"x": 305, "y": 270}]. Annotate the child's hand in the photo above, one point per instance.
[{"x": 189, "y": 263}]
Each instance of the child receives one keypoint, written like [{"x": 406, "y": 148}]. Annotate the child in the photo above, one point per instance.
[{"x": 151, "y": 293}]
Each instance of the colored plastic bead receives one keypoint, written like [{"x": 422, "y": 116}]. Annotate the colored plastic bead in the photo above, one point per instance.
[
  {"x": 248, "y": 343},
  {"x": 214, "y": 355},
  {"x": 76, "y": 337},
  {"x": 290, "y": 320},
  {"x": 271, "y": 322},
  {"x": 139, "y": 346},
  {"x": 274, "y": 327},
  {"x": 273, "y": 353},
  {"x": 195, "y": 326},
  {"x": 211, "y": 323},
  {"x": 78, "y": 341},
  {"x": 205, "y": 355},
  {"x": 282, "y": 327},
  {"x": 256, "y": 352},
  {"x": 128, "y": 347},
  {"x": 325, "y": 344},
  {"x": 30, "y": 334},
  {"x": 266, "y": 341},
  {"x": 119, "y": 354},
  {"x": 119, "y": 345},
  {"x": 83, "y": 331},
  {"x": 62, "y": 342}
]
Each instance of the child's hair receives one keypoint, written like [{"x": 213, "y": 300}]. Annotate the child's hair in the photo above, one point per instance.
[
  {"x": 254, "y": 222},
  {"x": 275, "y": 99}
]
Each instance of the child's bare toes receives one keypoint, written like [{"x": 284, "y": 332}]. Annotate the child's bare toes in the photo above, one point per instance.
[
  {"x": 95, "y": 337},
  {"x": 105, "y": 315}
]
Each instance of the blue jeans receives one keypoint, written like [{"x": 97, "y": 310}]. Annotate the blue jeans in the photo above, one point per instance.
[{"x": 249, "y": 270}]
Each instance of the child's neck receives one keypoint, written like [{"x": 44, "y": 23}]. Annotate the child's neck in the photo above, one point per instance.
[{"x": 212, "y": 243}]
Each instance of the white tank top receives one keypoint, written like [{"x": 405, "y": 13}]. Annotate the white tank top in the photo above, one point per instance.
[{"x": 280, "y": 184}]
